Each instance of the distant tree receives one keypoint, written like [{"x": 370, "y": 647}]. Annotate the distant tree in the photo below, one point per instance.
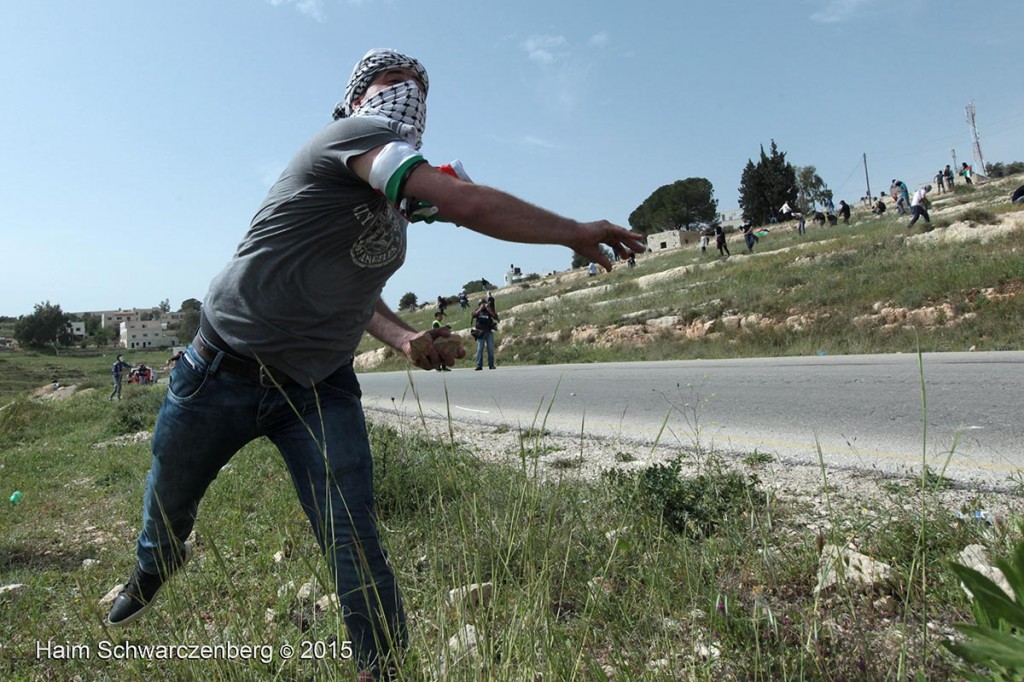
[
  {"x": 190, "y": 304},
  {"x": 473, "y": 286},
  {"x": 681, "y": 205},
  {"x": 579, "y": 261},
  {"x": 44, "y": 327},
  {"x": 188, "y": 326},
  {"x": 766, "y": 186},
  {"x": 811, "y": 189},
  {"x": 92, "y": 323},
  {"x": 408, "y": 301},
  {"x": 165, "y": 305},
  {"x": 1001, "y": 170},
  {"x": 102, "y": 337}
]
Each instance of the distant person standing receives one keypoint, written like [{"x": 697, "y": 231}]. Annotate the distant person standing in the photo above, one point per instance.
[
  {"x": 919, "y": 206},
  {"x": 485, "y": 321},
  {"x": 748, "y": 235},
  {"x": 723, "y": 248},
  {"x": 948, "y": 172},
  {"x": 844, "y": 211},
  {"x": 966, "y": 172},
  {"x": 592, "y": 270},
  {"x": 117, "y": 371},
  {"x": 940, "y": 180}
]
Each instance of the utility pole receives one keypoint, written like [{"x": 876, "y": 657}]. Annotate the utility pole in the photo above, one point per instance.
[
  {"x": 979, "y": 160},
  {"x": 956, "y": 168},
  {"x": 866, "y": 181}
]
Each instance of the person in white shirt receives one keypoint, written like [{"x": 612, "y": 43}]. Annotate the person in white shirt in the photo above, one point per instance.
[
  {"x": 919, "y": 206},
  {"x": 788, "y": 212}
]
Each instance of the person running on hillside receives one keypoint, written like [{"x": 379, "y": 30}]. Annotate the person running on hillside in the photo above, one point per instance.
[
  {"x": 788, "y": 212},
  {"x": 844, "y": 211},
  {"x": 940, "y": 181},
  {"x": 281, "y": 323},
  {"x": 723, "y": 248},
  {"x": 919, "y": 206},
  {"x": 902, "y": 196}
]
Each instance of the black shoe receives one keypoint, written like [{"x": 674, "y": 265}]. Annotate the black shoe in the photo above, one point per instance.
[
  {"x": 479, "y": 368},
  {"x": 445, "y": 369},
  {"x": 138, "y": 594},
  {"x": 491, "y": 367}
]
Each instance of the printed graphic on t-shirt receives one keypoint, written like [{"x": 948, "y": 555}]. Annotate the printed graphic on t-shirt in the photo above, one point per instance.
[{"x": 383, "y": 239}]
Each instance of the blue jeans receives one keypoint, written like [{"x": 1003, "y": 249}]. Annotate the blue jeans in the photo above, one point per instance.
[
  {"x": 487, "y": 339},
  {"x": 918, "y": 212},
  {"x": 116, "y": 393},
  {"x": 208, "y": 415}
]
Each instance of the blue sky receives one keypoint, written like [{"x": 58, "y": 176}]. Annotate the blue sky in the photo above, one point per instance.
[{"x": 139, "y": 138}]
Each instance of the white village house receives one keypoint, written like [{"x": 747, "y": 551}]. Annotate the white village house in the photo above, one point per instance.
[{"x": 145, "y": 334}]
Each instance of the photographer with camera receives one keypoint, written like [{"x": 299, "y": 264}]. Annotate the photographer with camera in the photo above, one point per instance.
[{"x": 485, "y": 321}]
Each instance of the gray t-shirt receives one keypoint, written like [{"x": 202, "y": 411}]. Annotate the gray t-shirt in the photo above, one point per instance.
[{"x": 303, "y": 283}]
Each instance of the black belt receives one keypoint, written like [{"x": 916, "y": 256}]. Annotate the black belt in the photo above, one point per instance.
[{"x": 239, "y": 366}]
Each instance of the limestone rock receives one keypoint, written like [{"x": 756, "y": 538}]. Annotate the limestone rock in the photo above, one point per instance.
[
  {"x": 476, "y": 595},
  {"x": 976, "y": 557},
  {"x": 850, "y": 566}
]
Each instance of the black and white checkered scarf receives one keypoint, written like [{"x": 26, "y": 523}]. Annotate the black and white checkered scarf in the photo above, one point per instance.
[{"x": 405, "y": 103}]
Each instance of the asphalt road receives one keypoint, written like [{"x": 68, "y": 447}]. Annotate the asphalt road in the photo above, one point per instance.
[{"x": 879, "y": 412}]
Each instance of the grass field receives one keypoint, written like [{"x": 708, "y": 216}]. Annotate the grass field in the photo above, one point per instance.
[{"x": 648, "y": 574}]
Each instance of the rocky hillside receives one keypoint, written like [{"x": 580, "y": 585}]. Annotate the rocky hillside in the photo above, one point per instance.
[{"x": 870, "y": 286}]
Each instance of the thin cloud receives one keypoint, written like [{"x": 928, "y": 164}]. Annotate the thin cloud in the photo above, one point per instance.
[
  {"x": 534, "y": 141},
  {"x": 836, "y": 11},
  {"x": 314, "y": 9},
  {"x": 545, "y": 49},
  {"x": 599, "y": 39}
]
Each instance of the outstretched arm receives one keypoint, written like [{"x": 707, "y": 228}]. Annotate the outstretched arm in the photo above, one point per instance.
[{"x": 500, "y": 215}]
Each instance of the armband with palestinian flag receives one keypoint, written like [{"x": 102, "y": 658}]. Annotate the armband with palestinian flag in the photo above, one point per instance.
[{"x": 390, "y": 171}]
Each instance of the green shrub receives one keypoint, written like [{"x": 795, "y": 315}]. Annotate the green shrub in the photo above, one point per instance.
[
  {"x": 137, "y": 412},
  {"x": 693, "y": 507},
  {"x": 16, "y": 418}
]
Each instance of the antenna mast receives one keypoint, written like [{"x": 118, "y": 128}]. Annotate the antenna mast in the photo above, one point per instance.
[{"x": 979, "y": 160}]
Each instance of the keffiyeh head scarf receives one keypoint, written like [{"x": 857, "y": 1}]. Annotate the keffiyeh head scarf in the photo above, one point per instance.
[{"x": 405, "y": 103}]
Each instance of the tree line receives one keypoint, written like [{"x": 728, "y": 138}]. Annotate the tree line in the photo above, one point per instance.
[{"x": 48, "y": 326}]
